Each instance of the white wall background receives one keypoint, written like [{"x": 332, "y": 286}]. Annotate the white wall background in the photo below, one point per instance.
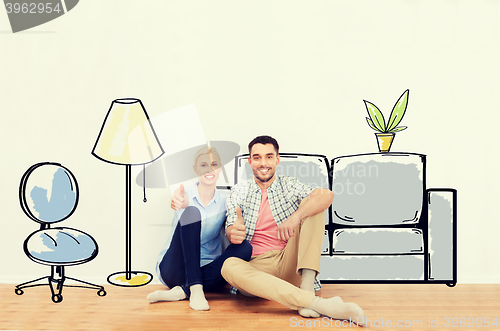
[{"x": 296, "y": 70}]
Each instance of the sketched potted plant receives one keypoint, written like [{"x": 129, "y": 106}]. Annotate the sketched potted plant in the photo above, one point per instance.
[{"x": 387, "y": 131}]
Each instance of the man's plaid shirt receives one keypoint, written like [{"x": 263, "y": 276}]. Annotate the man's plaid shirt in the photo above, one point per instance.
[{"x": 284, "y": 195}]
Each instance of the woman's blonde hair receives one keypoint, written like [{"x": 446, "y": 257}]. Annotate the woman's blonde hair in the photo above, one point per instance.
[{"x": 206, "y": 150}]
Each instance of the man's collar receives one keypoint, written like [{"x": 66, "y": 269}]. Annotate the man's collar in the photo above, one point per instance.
[{"x": 271, "y": 188}]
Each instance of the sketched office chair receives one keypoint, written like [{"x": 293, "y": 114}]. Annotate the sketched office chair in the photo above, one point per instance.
[{"x": 48, "y": 194}]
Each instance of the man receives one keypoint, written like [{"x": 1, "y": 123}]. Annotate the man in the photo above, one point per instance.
[{"x": 283, "y": 220}]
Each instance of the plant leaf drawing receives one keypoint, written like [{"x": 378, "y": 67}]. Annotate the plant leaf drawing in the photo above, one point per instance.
[
  {"x": 399, "y": 128},
  {"x": 376, "y": 119},
  {"x": 370, "y": 123},
  {"x": 398, "y": 111},
  {"x": 376, "y": 116}
]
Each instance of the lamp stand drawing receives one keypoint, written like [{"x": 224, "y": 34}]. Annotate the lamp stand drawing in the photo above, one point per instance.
[{"x": 127, "y": 138}]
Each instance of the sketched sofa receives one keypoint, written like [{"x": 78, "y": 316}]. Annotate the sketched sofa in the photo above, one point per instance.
[{"x": 384, "y": 225}]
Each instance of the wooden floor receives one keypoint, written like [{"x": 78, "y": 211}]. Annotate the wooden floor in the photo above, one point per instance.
[{"x": 396, "y": 307}]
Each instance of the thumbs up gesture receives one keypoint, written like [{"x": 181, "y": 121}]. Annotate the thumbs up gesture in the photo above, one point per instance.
[
  {"x": 180, "y": 199},
  {"x": 237, "y": 230}
]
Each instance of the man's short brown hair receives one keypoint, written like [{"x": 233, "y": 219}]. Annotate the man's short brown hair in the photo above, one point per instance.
[{"x": 264, "y": 140}]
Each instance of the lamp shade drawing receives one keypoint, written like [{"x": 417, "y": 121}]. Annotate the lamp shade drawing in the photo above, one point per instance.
[{"x": 127, "y": 138}]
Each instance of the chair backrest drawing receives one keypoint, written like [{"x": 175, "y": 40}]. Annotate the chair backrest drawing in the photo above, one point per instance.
[{"x": 48, "y": 193}]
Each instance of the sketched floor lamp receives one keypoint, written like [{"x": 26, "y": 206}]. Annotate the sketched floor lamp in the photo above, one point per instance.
[{"x": 127, "y": 138}]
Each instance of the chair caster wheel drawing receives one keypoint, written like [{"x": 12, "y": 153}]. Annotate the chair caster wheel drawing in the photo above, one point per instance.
[
  {"x": 57, "y": 298},
  {"x": 101, "y": 293},
  {"x": 19, "y": 291},
  {"x": 451, "y": 284}
]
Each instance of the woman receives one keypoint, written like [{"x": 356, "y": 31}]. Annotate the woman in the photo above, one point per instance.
[{"x": 193, "y": 260}]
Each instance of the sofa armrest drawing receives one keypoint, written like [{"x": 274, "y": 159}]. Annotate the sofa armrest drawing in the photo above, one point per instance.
[{"x": 442, "y": 235}]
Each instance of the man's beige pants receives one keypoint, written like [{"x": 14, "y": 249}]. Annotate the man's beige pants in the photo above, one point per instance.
[{"x": 275, "y": 275}]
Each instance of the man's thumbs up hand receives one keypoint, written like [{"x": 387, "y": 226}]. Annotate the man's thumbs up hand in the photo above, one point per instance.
[
  {"x": 237, "y": 233},
  {"x": 180, "y": 199},
  {"x": 240, "y": 219}
]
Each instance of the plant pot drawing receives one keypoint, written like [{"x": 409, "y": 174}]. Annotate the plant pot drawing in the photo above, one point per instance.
[
  {"x": 387, "y": 130},
  {"x": 384, "y": 141}
]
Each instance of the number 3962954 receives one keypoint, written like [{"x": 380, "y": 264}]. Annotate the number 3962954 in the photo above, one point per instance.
[{"x": 33, "y": 8}]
